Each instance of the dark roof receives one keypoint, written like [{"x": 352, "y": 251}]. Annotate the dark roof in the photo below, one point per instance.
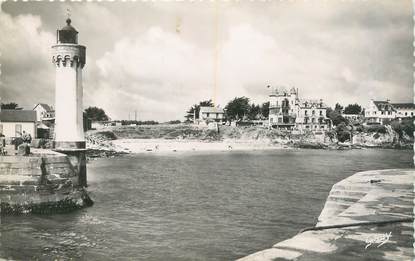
[
  {"x": 17, "y": 116},
  {"x": 384, "y": 106},
  {"x": 68, "y": 26},
  {"x": 404, "y": 105},
  {"x": 45, "y": 106}
]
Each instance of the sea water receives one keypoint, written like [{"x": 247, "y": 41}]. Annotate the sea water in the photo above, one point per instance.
[{"x": 191, "y": 206}]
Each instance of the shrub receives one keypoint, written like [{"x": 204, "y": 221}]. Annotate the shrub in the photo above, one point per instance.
[
  {"x": 343, "y": 134},
  {"x": 376, "y": 128},
  {"x": 405, "y": 126}
]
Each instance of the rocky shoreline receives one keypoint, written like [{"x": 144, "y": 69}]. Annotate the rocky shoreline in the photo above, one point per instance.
[{"x": 120, "y": 141}]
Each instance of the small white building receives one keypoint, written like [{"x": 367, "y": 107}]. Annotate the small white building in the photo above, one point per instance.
[
  {"x": 211, "y": 114},
  {"x": 44, "y": 112},
  {"x": 14, "y": 122}
]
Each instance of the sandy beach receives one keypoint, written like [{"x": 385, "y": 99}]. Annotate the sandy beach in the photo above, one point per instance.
[{"x": 168, "y": 146}]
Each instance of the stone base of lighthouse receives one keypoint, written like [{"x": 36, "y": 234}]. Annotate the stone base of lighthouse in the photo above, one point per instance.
[{"x": 76, "y": 152}]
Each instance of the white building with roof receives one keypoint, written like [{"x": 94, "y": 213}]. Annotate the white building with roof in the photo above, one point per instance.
[
  {"x": 14, "y": 122},
  {"x": 379, "y": 112},
  {"x": 44, "y": 112},
  {"x": 211, "y": 114}
]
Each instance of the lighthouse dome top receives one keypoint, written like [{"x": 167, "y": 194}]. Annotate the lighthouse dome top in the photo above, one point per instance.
[
  {"x": 67, "y": 34},
  {"x": 68, "y": 26}
]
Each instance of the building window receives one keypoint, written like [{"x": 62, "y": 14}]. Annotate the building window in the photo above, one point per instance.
[
  {"x": 279, "y": 120},
  {"x": 313, "y": 112},
  {"x": 313, "y": 120},
  {"x": 18, "y": 130},
  {"x": 406, "y": 114},
  {"x": 383, "y": 112},
  {"x": 389, "y": 113},
  {"x": 305, "y": 112},
  {"x": 412, "y": 114},
  {"x": 207, "y": 115},
  {"x": 321, "y": 113}
]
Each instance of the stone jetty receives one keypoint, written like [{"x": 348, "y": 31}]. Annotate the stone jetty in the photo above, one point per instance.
[
  {"x": 43, "y": 182},
  {"x": 368, "y": 216}
]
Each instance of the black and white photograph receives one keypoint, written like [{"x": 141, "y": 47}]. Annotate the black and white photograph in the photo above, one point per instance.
[{"x": 207, "y": 130}]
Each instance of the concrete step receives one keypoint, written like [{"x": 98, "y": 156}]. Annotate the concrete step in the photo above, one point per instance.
[
  {"x": 351, "y": 187},
  {"x": 332, "y": 209},
  {"x": 19, "y": 180},
  {"x": 342, "y": 199},
  {"x": 21, "y": 171},
  {"x": 17, "y": 189},
  {"x": 20, "y": 159},
  {"x": 348, "y": 193}
]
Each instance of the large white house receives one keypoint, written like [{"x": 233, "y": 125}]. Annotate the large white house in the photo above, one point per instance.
[
  {"x": 288, "y": 111},
  {"x": 14, "y": 122},
  {"x": 378, "y": 112}
]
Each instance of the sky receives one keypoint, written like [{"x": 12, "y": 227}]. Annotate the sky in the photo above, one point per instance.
[{"x": 158, "y": 58}]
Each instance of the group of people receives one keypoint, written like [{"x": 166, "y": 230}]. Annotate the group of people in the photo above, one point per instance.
[
  {"x": 27, "y": 138},
  {"x": 24, "y": 138}
]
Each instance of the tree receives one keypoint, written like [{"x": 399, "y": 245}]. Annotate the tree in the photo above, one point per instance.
[
  {"x": 237, "y": 108},
  {"x": 10, "y": 106},
  {"x": 353, "y": 109},
  {"x": 194, "y": 110},
  {"x": 254, "y": 111},
  {"x": 343, "y": 133},
  {"x": 338, "y": 108},
  {"x": 96, "y": 114},
  {"x": 335, "y": 116}
]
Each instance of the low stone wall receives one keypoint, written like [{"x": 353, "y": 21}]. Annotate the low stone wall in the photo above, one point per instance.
[
  {"x": 368, "y": 216},
  {"x": 44, "y": 182}
]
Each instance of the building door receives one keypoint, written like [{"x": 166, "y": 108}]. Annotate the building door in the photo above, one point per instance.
[{"x": 18, "y": 129}]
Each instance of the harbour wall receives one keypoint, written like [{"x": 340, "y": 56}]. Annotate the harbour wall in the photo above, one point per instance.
[
  {"x": 368, "y": 216},
  {"x": 43, "y": 182}
]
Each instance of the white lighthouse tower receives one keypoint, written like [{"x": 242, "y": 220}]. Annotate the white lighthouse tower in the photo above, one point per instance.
[{"x": 69, "y": 60}]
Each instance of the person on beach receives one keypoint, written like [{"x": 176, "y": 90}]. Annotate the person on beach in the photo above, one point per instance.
[{"x": 2, "y": 144}]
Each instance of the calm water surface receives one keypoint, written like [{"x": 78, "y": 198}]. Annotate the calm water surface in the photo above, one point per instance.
[{"x": 204, "y": 206}]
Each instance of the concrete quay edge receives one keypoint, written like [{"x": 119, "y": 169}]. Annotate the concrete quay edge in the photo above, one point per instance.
[{"x": 381, "y": 201}]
